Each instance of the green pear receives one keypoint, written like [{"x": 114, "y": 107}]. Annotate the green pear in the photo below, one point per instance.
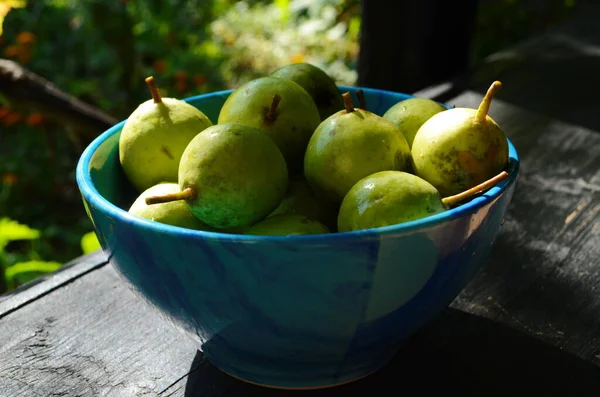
[
  {"x": 154, "y": 137},
  {"x": 410, "y": 114},
  {"x": 175, "y": 213},
  {"x": 388, "y": 198},
  {"x": 459, "y": 148},
  {"x": 394, "y": 197},
  {"x": 287, "y": 225},
  {"x": 231, "y": 176},
  {"x": 300, "y": 199},
  {"x": 350, "y": 145},
  {"x": 279, "y": 107},
  {"x": 317, "y": 83}
]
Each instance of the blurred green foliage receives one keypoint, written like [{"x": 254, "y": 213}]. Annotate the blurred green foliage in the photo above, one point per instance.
[{"x": 100, "y": 51}]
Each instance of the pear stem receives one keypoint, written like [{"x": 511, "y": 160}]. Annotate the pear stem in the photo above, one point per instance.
[
  {"x": 452, "y": 200},
  {"x": 153, "y": 89},
  {"x": 348, "y": 102},
  {"x": 186, "y": 194},
  {"x": 361, "y": 99},
  {"x": 271, "y": 112},
  {"x": 484, "y": 107}
]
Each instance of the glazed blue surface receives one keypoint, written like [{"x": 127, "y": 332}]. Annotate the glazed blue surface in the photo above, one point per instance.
[{"x": 299, "y": 311}]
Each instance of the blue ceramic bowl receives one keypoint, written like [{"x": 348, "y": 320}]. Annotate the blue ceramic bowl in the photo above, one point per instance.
[{"x": 292, "y": 312}]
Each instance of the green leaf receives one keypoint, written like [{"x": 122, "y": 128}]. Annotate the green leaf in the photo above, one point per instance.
[
  {"x": 90, "y": 243},
  {"x": 6, "y": 6},
  {"x": 354, "y": 27},
  {"x": 30, "y": 266},
  {"x": 13, "y": 231},
  {"x": 284, "y": 9}
]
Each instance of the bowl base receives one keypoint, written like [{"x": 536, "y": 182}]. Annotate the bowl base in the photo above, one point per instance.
[{"x": 325, "y": 386}]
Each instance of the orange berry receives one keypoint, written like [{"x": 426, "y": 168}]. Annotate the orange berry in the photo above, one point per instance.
[
  {"x": 34, "y": 119},
  {"x": 25, "y": 38},
  {"x": 4, "y": 111},
  {"x": 181, "y": 86},
  {"x": 160, "y": 65},
  {"x": 11, "y": 51},
  {"x": 9, "y": 178},
  {"x": 180, "y": 75},
  {"x": 24, "y": 56},
  {"x": 12, "y": 118},
  {"x": 199, "y": 79}
]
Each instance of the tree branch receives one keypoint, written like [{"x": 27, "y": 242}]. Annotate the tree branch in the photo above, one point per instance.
[{"x": 26, "y": 90}]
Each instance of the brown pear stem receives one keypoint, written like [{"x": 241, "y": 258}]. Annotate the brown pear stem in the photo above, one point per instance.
[
  {"x": 452, "y": 200},
  {"x": 186, "y": 194},
  {"x": 361, "y": 99},
  {"x": 271, "y": 113},
  {"x": 484, "y": 107},
  {"x": 153, "y": 89},
  {"x": 348, "y": 102}
]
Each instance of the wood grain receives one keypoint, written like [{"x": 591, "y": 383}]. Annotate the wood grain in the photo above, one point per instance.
[{"x": 92, "y": 337}]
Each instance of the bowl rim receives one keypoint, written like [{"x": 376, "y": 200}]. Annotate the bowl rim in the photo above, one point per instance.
[{"x": 94, "y": 198}]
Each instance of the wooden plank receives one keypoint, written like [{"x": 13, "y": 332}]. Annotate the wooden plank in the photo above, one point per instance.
[
  {"x": 544, "y": 271},
  {"x": 82, "y": 341},
  {"x": 41, "y": 286},
  {"x": 92, "y": 337}
]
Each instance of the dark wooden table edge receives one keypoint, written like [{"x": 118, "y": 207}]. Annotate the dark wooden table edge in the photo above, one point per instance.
[{"x": 40, "y": 287}]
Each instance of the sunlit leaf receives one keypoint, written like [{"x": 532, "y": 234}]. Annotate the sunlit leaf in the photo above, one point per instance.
[
  {"x": 13, "y": 231},
  {"x": 90, "y": 243},
  {"x": 29, "y": 270},
  {"x": 6, "y": 6},
  {"x": 284, "y": 9}
]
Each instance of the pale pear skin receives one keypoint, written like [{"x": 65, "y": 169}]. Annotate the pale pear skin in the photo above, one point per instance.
[
  {"x": 296, "y": 116},
  {"x": 154, "y": 138},
  {"x": 175, "y": 213},
  {"x": 454, "y": 152},
  {"x": 287, "y": 225},
  {"x": 388, "y": 198},
  {"x": 237, "y": 172},
  {"x": 317, "y": 83},
  {"x": 410, "y": 114},
  {"x": 349, "y": 146}
]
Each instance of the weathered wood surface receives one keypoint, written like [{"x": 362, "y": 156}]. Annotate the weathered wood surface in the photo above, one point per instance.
[{"x": 529, "y": 324}]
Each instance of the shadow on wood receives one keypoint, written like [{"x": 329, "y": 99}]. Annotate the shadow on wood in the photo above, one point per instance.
[
  {"x": 556, "y": 74},
  {"x": 459, "y": 352}
]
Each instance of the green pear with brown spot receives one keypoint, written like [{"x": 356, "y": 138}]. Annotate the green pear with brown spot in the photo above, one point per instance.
[
  {"x": 394, "y": 197},
  {"x": 317, "y": 83},
  {"x": 154, "y": 137},
  {"x": 231, "y": 176},
  {"x": 410, "y": 114},
  {"x": 350, "y": 145},
  {"x": 388, "y": 198},
  {"x": 459, "y": 148},
  {"x": 280, "y": 108},
  {"x": 174, "y": 213}
]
